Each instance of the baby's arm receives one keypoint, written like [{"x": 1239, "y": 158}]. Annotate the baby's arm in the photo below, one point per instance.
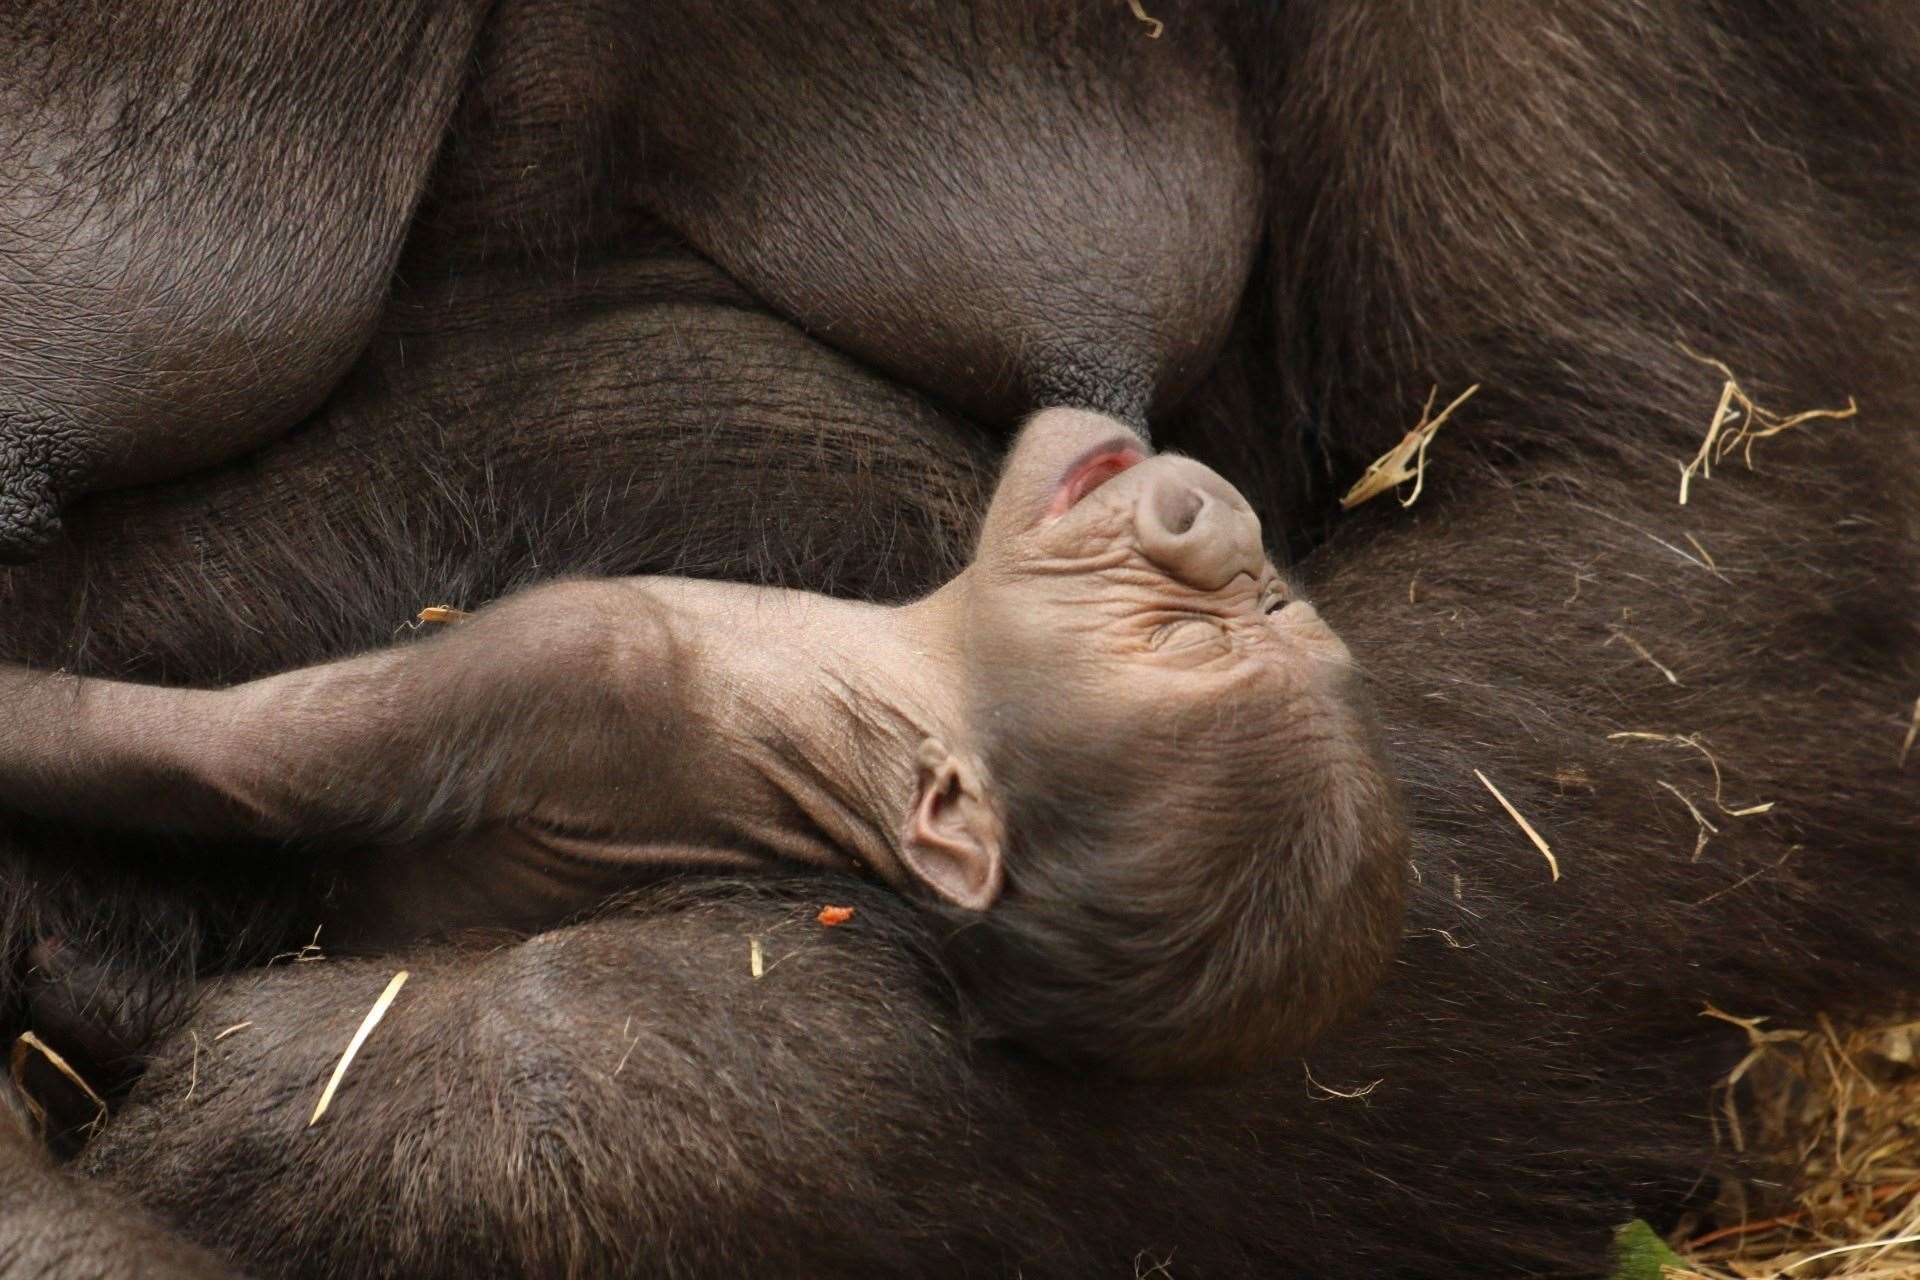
[
  {"x": 111, "y": 752},
  {"x": 534, "y": 698}
]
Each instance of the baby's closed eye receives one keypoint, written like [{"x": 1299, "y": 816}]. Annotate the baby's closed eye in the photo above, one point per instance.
[{"x": 1187, "y": 631}]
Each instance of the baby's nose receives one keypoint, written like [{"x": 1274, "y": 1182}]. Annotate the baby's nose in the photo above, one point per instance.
[{"x": 1196, "y": 526}]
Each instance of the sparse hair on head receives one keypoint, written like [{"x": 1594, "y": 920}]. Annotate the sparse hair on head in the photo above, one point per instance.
[{"x": 1195, "y": 900}]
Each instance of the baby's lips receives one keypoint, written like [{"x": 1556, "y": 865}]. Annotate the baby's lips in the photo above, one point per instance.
[{"x": 1091, "y": 470}]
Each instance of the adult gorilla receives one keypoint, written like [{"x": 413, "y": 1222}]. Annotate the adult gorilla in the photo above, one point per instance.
[{"x": 754, "y": 295}]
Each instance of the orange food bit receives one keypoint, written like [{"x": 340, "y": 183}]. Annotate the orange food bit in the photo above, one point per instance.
[{"x": 831, "y": 916}]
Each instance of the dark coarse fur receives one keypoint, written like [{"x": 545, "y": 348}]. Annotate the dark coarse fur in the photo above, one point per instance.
[
  {"x": 1542, "y": 198},
  {"x": 154, "y": 324}
]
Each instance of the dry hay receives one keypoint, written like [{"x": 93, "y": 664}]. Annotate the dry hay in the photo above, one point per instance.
[
  {"x": 1154, "y": 25},
  {"x": 367, "y": 1024},
  {"x": 1406, "y": 460},
  {"x": 1825, "y": 1123},
  {"x": 1829, "y": 1118},
  {"x": 1640, "y": 650},
  {"x": 24, "y": 1048},
  {"x": 1832, "y": 1117},
  {"x": 1738, "y": 422},
  {"x": 1539, "y": 842},
  {"x": 1704, "y": 826}
]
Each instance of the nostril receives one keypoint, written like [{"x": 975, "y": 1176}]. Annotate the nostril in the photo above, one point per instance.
[
  {"x": 1189, "y": 525},
  {"x": 1178, "y": 507}
]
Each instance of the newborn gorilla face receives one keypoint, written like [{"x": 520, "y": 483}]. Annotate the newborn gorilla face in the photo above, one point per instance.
[
  {"x": 1196, "y": 853},
  {"x": 1132, "y": 584}
]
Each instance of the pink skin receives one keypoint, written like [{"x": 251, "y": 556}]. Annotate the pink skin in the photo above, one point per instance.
[
  {"x": 1091, "y": 470},
  {"x": 1167, "y": 554}
]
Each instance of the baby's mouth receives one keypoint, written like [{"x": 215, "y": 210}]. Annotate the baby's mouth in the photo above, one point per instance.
[{"x": 1091, "y": 470}]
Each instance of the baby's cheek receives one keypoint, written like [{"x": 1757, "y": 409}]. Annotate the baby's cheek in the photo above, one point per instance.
[{"x": 1301, "y": 626}]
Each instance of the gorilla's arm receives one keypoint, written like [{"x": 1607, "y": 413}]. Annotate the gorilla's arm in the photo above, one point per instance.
[
  {"x": 524, "y": 710},
  {"x": 626, "y": 1097},
  {"x": 202, "y": 205},
  {"x": 146, "y": 757}
]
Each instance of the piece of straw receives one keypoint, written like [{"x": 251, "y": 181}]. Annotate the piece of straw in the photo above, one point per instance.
[
  {"x": 1693, "y": 740},
  {"x": 1641, "y": 650},
  {"x": 1837, "y": 1250},
  {"x": 1327, "y": 1091},
  {"x": 367, "y": 1025},
  {"x": 1553, "y": 863},
  {"x": 1154, "y": 25},
  {"x": 1702, "y": 828},
  {"x": 29, "y": 1042},
  {"x": 1390, "y": 469},
  {"x": 304, "y": 955},
  {"x": 1754, "y": 422}
]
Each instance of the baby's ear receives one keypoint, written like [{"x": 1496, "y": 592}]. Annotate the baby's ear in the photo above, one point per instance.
[{"x": 953, "y": 837}]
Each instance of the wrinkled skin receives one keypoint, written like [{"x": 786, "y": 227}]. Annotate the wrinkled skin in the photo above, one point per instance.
[{"x": 1537, "y": 201}]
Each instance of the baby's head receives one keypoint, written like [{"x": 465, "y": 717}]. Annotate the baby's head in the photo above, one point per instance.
[{"x": 1167, "y": 828}]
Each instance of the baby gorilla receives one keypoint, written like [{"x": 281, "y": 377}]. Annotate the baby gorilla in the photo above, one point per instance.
[{"x": 1125, "y": 761}]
